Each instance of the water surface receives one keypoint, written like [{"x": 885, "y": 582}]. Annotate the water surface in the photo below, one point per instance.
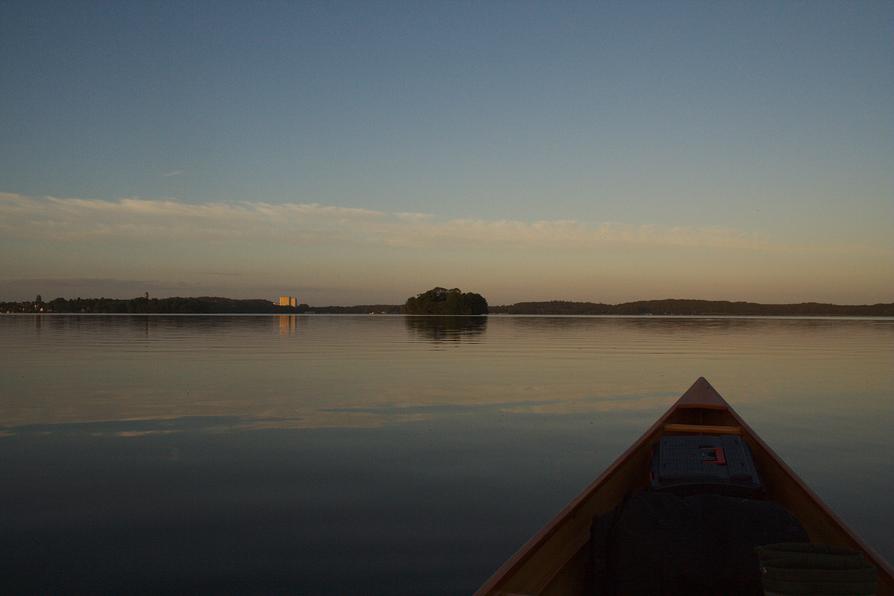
[{"x": 379, "y": 454}]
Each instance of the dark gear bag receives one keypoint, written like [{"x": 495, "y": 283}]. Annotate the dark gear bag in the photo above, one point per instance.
[{"x": 661, "y": 543}]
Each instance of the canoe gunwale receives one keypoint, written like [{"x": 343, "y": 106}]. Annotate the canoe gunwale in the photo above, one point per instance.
[
  {"x": 517, "y": 559},
  {"x": 874, "y": 557},
  {"x": 700, "y": 396}
]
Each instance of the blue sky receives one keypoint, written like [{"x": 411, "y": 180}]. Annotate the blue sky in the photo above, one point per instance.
[{"x": 770, "y": 123}]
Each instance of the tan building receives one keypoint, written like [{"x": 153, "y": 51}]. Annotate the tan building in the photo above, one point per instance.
[{"x": 288, "y": 301}]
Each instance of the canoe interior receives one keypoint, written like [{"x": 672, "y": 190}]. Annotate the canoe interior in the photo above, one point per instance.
[{"x": 556, "y": 559}]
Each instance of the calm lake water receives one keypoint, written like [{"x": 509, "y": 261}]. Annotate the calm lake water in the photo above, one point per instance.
[{"x": 341, "y": 454}]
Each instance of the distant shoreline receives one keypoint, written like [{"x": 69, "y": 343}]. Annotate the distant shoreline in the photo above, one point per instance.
[
  {"x": 700, "y": 308},
  {"x": 494, "y": 315},
  {"x": 208, "y": 305}
]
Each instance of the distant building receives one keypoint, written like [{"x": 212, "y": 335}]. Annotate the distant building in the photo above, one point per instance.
[{"x": 288, "y": 301}]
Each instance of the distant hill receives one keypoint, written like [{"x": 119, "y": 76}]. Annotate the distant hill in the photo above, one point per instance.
[
  {"x": 435, "y": 301},
  {"x": 695, "y": 307}
]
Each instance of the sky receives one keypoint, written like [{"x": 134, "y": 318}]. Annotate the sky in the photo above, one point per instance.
[{"x": 363, "y": 152}]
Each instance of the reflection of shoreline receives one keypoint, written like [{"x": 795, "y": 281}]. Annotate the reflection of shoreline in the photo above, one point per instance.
[{"x": 440, "y": 329}]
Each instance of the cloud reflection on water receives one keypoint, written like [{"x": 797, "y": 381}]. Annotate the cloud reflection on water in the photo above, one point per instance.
[{"x": 363, "y": 371}]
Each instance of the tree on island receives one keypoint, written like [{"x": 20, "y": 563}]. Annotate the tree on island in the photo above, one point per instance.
[{"x": 441, "y": 301}]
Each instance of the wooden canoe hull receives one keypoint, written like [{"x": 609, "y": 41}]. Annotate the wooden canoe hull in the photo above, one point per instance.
[{"x": 554, "y": 561}]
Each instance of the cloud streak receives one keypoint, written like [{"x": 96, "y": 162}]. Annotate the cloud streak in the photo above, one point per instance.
[
  {"x": 74, "y": 219},
  {"x": 348, "y": 255}
]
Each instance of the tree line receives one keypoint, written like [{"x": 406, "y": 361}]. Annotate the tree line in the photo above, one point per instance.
[
  {"x": 695, "y": 308},
  {"x": 143, "y": 305},
  {"x": 441, "y": 301}
]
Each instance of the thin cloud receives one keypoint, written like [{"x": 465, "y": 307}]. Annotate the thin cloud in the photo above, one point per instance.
[
  {"x": 57, "y": 218},
  {"x": 313, "y": 224},
  {"x": 408, "y": 216},
  {"x": 172, "y": 173}
]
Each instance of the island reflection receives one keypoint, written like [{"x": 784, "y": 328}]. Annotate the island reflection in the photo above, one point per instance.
[{"x": 446, "y": 329}]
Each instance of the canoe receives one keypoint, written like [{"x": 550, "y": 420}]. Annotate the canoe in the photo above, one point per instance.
[{"x": 555, "y": 560}]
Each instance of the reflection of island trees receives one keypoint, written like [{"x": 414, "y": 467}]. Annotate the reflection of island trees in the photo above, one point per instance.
[{"x": 441, "y": 329}]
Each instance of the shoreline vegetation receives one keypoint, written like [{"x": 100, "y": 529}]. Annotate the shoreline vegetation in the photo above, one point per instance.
[
  {"x": 440, "y": 301},
  {"x": 684, "y": 307}
]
